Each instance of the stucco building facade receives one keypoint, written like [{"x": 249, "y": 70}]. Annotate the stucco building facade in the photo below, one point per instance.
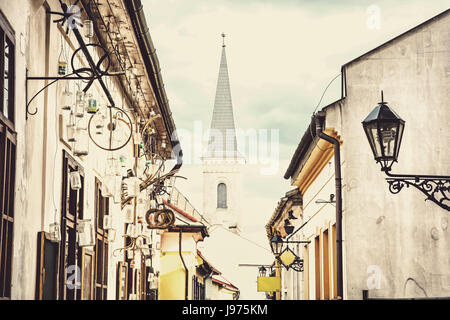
[
  {"x": 85, "y": 131},
  {"x": 393, "y": 245}
]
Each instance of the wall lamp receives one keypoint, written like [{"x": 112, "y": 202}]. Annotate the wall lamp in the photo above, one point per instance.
[
  {"x": 384, "y": 130},
  {"x": 285, "y": 255},
  {"x": 262, "y": 271}
]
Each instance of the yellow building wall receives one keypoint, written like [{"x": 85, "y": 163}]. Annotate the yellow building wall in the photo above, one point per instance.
[{"x": 172, "y": 275}]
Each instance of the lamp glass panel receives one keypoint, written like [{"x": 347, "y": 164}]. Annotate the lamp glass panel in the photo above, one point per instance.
[
  {"x": 372, "y": 135},
  {"x": 388, "y": 135},
  {"x": 401, "y": 126},
  {"x": 277, "y": 245}
]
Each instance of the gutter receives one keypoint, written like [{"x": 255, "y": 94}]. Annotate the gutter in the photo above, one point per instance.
[
  {"x": 302, "y": 148},
  {"x": 136, "y": 13},
  {"x": 319, "y": 119},
  {"x": 186, "y": 271}
]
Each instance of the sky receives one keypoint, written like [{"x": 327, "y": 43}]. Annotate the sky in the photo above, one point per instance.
[{"x": 281, "y": 55}]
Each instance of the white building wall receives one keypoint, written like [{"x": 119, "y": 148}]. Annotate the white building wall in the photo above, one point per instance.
[
  {"x": 222, "y": 171},
  {"x": 318, "y": 218},
  {"x": 39, "y": 148},
  {"x": 400, "y": 239}
]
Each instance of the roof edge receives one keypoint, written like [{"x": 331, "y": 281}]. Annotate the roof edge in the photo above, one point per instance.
[{"x": 436, "y": 17}]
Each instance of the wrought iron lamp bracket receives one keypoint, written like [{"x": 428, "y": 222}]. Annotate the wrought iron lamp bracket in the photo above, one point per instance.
[
  {"x": 436, "y": 188},
  {"x": 88, "y": 74}
]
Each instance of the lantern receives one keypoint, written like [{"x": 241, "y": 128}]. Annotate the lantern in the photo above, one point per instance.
[
  {"x": 85, "y": 233},
  {"x": 276, "y": 244},
  {"x": 81, "y": 144},
  {"x": 71, "y": 128},
  {"x": 107, "y": 222},
  {"x": 129, "y": 215},
  {"x": 112, "y": 235},
  {"x": 55, "y": 232},
  {"x": 62, "y": 68},
  {"x": 262, "y": 271},
  {"x": 91, "y": 107},
  {"x": 75, "y": 180},
  {"x": 99, "y": 124},
  {"x": 130, "y": 187},
  {"x": 88, "y": 28},
  {"x": 384, "y": 130},
  {"x": 80, "y": 104},
  {"x": 131, "y": 230}
]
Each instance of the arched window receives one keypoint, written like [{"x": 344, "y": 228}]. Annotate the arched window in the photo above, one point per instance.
[{"x": 221, "y": 195}]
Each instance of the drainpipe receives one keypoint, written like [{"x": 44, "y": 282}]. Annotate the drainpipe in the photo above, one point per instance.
[
  {"x": 186, "y": 272},
  {"x": 338, "y": 181}
]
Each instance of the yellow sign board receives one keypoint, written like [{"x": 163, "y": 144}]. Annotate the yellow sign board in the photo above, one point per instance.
[
  {"x": 287, "y": 257},
  {"x": 269, "y": 284}
]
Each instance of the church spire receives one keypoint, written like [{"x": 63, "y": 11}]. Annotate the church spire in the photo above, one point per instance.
[{"x": 222, "y": 138}]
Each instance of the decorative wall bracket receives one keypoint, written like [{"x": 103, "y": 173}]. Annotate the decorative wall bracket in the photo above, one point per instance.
[
  {"x": 87, "y": 74},
  {"x": 436, "y": 188}
]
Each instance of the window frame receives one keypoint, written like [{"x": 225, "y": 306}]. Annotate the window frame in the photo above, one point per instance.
[
  {"x": 101, "y": 240},
  {"x": 7, "y": 196},
  {"x": 8, "y": 149},
  {"x": 7, "y": 34},
  {"x": 69, "y": 221},
  {"x": 222, "y": 201}
]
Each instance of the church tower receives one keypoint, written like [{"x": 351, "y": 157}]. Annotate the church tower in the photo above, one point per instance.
[{"x": 222, "y": 161}]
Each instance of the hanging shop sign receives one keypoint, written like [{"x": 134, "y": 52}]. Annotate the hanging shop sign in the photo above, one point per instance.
[{"x": 269, "y": 284}]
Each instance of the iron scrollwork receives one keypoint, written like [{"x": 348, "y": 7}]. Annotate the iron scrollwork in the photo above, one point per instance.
[
  {"x": 436, "y": 188},
  {"x": 87, "y": 74}
]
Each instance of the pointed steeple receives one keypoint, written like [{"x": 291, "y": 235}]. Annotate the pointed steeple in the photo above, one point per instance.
[{"x": 222, "y": 138}]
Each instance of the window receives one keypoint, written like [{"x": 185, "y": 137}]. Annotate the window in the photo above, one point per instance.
[
  {"x": 122, "y": 281},
  {"x": 334, "y": 257},
  {"x": 306, "y": 272},
  {"x": 317, "y": 267},
  {"x": 7, "y": 155},
  {"x": 198, "y": 289},
  {"x": 101, "y": 245},
  {"x": 72, "y": 211},
  {"x": 7, "y": 178},
  {"x": 7, "y": 53},
  {"x": 325, "y": 264},
  {"x": 222, "y": 196}
]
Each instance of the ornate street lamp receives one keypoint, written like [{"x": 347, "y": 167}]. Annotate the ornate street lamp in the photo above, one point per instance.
[
  {"x": 276, "y": 244},
  {"x": 384, "y": 130},
  {"x": 262, "y": 271}
]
